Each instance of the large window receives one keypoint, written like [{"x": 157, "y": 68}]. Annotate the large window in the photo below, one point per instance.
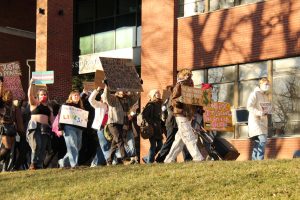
[
  {"x": 193, "y": 7},
  {"x": 103, "y": 25},
  {"x": 286, "y": 96}
]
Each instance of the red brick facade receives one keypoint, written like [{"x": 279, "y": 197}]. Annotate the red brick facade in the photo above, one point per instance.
[
  {"x": 55, "y": 44},
  {"x": 242, "y": 34},
  {"x": 20, "y": 15}
]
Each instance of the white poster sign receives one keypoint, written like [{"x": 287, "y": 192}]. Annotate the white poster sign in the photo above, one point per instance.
[{"x": 73, "y": 116}]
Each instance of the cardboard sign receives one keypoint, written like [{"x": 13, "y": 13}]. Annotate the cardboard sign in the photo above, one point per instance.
[
  {"x": 14, "y": 84},
  {"x": 121, "y": 74},
  {"x": 218, "y": 117},
  {"x": 266, "y": 107},
  {"x": 99, "y": 77},
  {"x": 166, "y": 94},
  {"x": 89, "y": 86},
  {"x": 195, "y": 96},
  {"x": 10, "y": 69},
  {"x": 46, "y": 77},
  {"x": 73, "y": 116}
]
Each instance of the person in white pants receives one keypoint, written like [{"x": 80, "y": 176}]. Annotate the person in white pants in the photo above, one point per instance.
[{"x": 183, "y": 115}]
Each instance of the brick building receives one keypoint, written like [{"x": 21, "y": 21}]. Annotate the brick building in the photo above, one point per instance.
[{"x": 229, "y": 43}]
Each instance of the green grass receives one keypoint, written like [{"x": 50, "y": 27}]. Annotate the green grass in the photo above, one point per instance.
[{"x": 269, "y": 179}]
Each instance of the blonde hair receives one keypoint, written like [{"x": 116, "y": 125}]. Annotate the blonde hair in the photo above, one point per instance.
[
  {"x": 69, "y": 100},
  {"x": 263, "y": 80},
  {"x": 183, "y": 73},
  {"x": 5, "y": 95},
  {"x": 152, "y": 93}
]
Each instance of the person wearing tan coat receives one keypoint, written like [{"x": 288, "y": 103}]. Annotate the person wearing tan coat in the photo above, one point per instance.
[{"x": 259, "y": 107}]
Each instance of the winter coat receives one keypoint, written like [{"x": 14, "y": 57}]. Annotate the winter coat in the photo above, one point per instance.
[
  {"x": 180, "y": 109},
  {"x": 100, "y": 110},
  {"x": 152, "y": 115},
  {"x": 257, "y": 122}
]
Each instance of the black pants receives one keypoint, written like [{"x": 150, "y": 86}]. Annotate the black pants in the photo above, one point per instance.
[
  {"x": 117, "y": 142},
  {"x": 171, "y": 132}
]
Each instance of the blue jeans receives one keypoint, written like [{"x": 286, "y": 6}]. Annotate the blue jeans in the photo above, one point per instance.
[
  {"x": 155, "y": 146},
  {"x": 102, "y": 152},
  {"x": 73, "y": 136},
  {"x": 259, "y": 145}
]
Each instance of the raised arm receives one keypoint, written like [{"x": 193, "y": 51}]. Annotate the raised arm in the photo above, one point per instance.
[
  {"x": 111, "y": 100},
  {"x": 93, "y": 102},
  {"x": 31, "y": 99}
]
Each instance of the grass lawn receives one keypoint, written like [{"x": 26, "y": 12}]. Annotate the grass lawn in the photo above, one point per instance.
[{"x": 269, "y": 179}]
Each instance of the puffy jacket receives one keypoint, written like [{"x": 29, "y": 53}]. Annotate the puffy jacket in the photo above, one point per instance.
[{"x": 257, "y": 122}]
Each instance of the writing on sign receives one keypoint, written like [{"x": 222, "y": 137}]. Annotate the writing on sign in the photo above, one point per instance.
[{"x": 218, "y": 117}]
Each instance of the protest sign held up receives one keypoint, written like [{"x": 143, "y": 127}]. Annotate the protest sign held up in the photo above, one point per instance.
[
  {"x": 14, "y": 84},
  {"x": 73, "y": 116},
  {"x": 10, "y": 69},
  {"x": 44, "y": 77},
  {"x": 121, "y": 74},
  {"x": 99, "y": 77},
  {"x": 218, "y": 117},
  {"x": 195, "y": 96}
]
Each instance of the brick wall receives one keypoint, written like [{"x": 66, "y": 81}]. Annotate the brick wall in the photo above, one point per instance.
[
  {"x": 157, "y": 49},
  {"x": 55, "y": 43},
  {"x": 20, "y": 15},
  {"x": 246, "y": 33}
]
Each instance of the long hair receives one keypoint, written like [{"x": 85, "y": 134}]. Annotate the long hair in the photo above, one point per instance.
[
  {"x": 69, "y": 100},
  {"x": 5, "y": 96},
  {"x": 182, "y": 74},
  {"x": 42, "y": 90}
]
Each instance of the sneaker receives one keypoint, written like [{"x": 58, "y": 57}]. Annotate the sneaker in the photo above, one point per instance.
[{"x": 32, "y": 167}]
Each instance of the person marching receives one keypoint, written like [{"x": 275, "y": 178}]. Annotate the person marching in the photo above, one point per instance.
[
  {"x": 39, "y": 129},
  {"x": 258, "y": 118},
  {"x": 183, "y": 115}
]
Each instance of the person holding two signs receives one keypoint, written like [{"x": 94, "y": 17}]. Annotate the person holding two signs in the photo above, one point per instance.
[{"x": 259, "y": 107}]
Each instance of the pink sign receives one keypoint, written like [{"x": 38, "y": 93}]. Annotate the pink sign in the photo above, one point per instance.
[{"x": 14, "y": 84}]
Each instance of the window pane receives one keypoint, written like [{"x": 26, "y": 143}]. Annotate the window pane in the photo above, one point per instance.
[
  {"x": 286, "y": 96},
  {"x": 85, "y": 34},
  {"x": 220, "y": 4},
  {"x": 223, "y": 93},
  {"x": 85, "y": 11},
  {"x": 221, "y": 74},
  {"x": 245, "y": 88},
  {"x": 198, "y": 77},
  {"x": 105, "y": 35},
  {"x": 125, "y": 31},
  {"x": 253, "y": 70},
  {"x": 126, "y": 6},
  {"x": 192, "y": 7},
  {"x": 139, "y": 30},
  {"x": 250, "y": 1},
  {"x": 105, "y": 8}
]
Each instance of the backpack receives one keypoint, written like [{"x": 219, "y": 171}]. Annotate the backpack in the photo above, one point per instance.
[{"x": 146, "y": 129}]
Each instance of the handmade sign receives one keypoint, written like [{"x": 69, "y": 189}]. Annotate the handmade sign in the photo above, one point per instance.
[
  {"x": 14, "y": 84},
  {"x": 89, "y": 86},
  {"x": 10, "y": 69},
  {"x": 73, "y": 116},
  {"x": 89, "y": 63},
  {"x": 218, "y": 117},
  {"x": 195, "y": 96},
  {"x": 121, "y": 74},
  {"x": 99, "y": 77},
  {"x": 45, "y": 77},
  {"x": 266, "y": 107}
]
